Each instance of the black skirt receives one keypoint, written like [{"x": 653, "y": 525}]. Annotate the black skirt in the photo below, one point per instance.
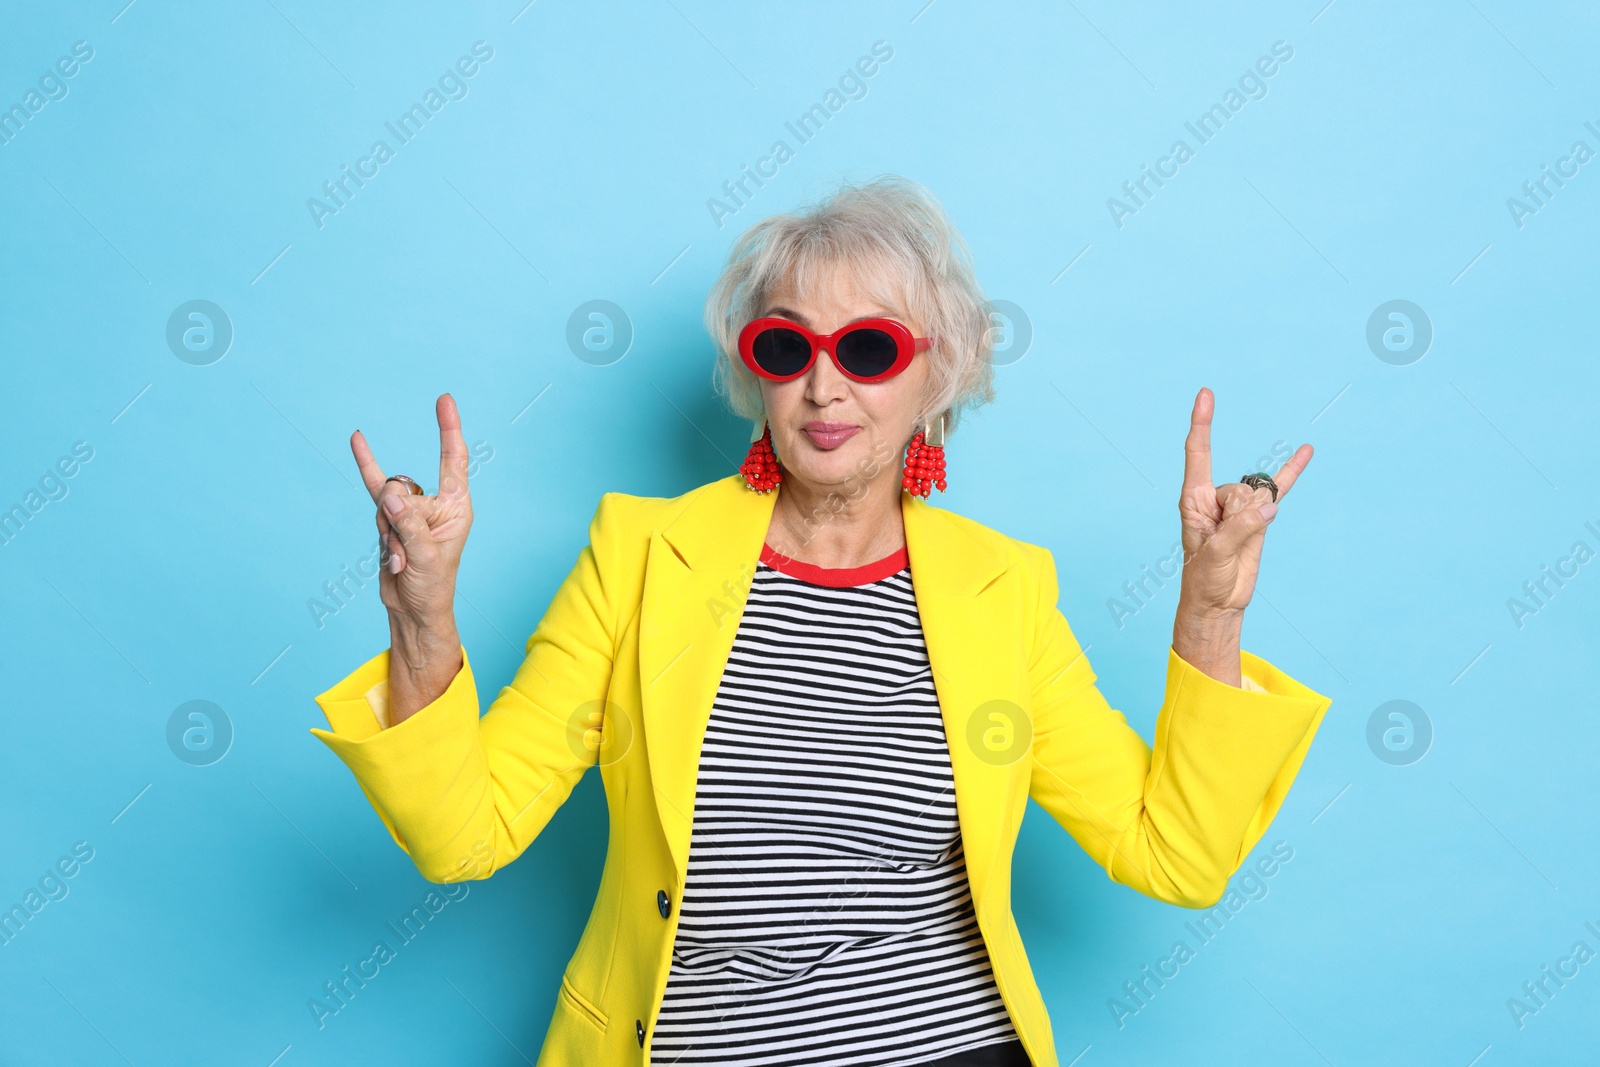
[{"x": 1008, "y": 1054}]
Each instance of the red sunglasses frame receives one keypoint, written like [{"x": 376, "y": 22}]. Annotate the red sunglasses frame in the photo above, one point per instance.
[{"x": 906, "y": 347}]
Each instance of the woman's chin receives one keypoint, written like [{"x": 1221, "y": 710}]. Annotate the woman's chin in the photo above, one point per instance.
[{"x": 848, "y": 463}]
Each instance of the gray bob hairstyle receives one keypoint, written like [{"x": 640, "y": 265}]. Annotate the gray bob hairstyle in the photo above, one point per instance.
[{"x": 900, "y": 247}]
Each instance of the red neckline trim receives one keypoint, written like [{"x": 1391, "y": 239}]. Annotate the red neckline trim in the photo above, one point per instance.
[{"x": 837, "y": 577}]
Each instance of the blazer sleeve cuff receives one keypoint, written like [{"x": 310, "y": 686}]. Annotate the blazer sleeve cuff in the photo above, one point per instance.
[
  {"x": 393, "y": 764},
  {"x": 1243, "y": 745},
  {"x": 1256, "y": 675},
  {"x": 1264, "y": 691}
]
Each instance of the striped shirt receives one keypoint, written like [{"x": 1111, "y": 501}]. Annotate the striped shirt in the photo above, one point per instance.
[{"x": 826, "y": 917}]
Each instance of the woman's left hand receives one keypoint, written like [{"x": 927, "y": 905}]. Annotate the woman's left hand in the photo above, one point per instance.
[{"x": 1224, "y": 527}]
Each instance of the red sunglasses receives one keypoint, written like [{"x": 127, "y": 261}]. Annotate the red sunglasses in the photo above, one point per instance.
[{"x": 871, "y": 350}]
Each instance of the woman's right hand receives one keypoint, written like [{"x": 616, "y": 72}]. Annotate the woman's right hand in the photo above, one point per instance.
[{"x": 423, "y": 535}]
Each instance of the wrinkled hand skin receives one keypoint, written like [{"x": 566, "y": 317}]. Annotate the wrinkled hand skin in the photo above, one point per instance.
[
  {"x": 423, "y": 538},
  {"x": 1224, "y": 528}
]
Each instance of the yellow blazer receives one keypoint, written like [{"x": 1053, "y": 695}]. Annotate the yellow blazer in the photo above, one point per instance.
[{"x": 621, "y": 673}]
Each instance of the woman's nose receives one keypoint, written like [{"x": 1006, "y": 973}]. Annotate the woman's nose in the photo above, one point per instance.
[{"x": 825, "y": 380}]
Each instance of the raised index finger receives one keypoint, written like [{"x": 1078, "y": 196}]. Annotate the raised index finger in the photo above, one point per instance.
[
  {"x": 452, "y": 448},
  {"x": 1197, "y": 446},
  {"x": 371, "y": 473}
]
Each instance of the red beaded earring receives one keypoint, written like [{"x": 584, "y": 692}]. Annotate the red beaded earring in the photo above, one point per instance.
[
  {"x": 924, "y": 468},
  {"x": 760, "y": 468}
]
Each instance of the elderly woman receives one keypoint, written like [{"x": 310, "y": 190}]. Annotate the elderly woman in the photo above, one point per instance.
[{"x": 819, "y": 704}]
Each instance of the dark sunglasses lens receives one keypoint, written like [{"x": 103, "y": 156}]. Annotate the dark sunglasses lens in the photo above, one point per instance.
[
  {"x": 781, "y": 352},
  {"x": 867, "y": 353}
]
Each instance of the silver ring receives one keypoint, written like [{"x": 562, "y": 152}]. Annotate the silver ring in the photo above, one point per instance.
[{"x": 1260, "y": 479}]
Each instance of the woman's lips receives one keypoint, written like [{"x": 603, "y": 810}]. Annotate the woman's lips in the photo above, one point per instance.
[{"x": 830, "y": 435}]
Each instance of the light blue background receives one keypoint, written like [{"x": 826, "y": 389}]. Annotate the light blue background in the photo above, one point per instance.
[{"x": 179, "y": 565}]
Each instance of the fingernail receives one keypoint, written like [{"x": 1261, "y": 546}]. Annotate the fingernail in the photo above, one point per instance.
[
  {"x": 1268, "y": 510},
  {"x": 394, "y": 564},
  {"x": 391, "y": 504}
]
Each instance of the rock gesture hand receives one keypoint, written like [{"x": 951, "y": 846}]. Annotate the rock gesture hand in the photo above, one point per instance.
[
  {"x": 1224, "y": 527},
  {"x": 423, "y": 535}
]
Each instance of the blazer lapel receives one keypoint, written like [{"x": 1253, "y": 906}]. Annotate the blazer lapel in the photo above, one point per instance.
[
  {"x": 697, "y": 577},
  {"x": 966, "y": 597}
]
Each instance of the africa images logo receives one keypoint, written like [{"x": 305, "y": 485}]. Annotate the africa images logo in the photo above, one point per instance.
[
  {"x": 1252, "y": 85},
  {"x": 452, "y": 85}
]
